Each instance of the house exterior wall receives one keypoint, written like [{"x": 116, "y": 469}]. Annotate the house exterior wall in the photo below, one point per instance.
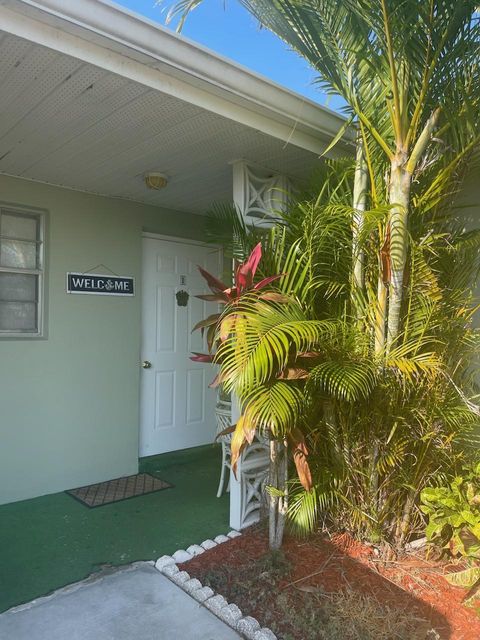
[{"x": 69, "y": 402}]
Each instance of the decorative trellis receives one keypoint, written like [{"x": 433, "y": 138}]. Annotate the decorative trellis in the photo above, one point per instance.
[
  {"x": 247, "y": 487},
  {"x": 259, "y": 194}
]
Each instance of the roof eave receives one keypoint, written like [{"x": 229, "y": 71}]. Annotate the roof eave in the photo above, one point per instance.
[{"x": 116, "y": 39}]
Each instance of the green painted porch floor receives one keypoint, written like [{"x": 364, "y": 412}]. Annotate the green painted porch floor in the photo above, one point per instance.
[{"x": 48, "y": 542}]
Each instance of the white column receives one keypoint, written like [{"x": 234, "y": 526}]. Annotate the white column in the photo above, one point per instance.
[
  {"x": 235, "y": 482},
  {"x": 257, "y": 193}
]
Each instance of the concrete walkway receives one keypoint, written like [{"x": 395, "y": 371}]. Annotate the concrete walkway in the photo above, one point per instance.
[{"x": 131, "y": 602}]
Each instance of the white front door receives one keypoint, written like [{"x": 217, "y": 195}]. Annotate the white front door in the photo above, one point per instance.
[{"x": 177, "y": 408}]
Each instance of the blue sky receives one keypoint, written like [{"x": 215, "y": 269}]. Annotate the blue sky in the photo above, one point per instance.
[{"x": 227, "y": 28}]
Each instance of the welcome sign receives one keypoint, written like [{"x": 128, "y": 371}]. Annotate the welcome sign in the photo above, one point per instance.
[{"x": 100, "y": 284}]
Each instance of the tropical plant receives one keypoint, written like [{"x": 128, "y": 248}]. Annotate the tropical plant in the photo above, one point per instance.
[
  {"x": 244, "y": 274},
  {"x": 453, "y": 513},
  {"x": 378, "y": 429},
  {"x": 409, "y": 74},
  {"x": 269, "y": 409},
  {"x": 371, "y": 360}
]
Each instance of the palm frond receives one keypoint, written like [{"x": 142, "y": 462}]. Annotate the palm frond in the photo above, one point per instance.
[
  {"x": 265, "y": 338},
  {"x": 349, "y": 381}
]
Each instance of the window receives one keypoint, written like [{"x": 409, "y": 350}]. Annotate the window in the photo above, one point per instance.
[{"x": 21, "y": 272}]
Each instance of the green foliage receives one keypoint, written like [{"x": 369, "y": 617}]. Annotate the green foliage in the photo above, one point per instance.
[
  {"x": 379, "y": 428},
  {"x": 467, "y": 579},
  {"x": 453, "y": 513},
  {"x": 350, "y": 381},
  {"x": 375, "y": 345}
]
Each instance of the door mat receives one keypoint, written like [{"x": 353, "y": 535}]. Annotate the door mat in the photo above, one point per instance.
[{"x": 96, "y": 495}]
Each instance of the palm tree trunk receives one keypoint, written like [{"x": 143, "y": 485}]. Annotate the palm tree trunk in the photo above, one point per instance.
[
  {"x": 380, "y": 316},
  {"x": 399, "y": 198},
  {"x": 278, "y": 498},
  {"x": 359, "y": 204},
  {"x": 403, "y": 525},
  {"x": 402, "y": 168}
]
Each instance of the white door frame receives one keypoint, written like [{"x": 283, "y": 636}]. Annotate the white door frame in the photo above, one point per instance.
[{"x": 174, "y": 240}]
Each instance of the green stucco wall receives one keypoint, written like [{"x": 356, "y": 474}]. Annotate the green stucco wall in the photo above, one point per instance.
[{"x": 69, "y": 403}]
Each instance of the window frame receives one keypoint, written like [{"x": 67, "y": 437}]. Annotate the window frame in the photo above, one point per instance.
[{"x": 39, "y": 272}]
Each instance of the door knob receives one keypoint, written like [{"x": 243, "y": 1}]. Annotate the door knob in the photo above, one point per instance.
[{"x": 146, "y": 364}]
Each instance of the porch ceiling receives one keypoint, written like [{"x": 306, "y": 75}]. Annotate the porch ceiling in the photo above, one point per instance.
[{"x": 70, "y": 123}]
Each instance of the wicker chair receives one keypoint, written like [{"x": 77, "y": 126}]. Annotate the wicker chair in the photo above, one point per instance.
[{"x": 223, "y": 414}]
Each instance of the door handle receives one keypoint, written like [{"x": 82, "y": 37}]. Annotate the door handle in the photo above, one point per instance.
[{"x": 146, "y": 364}]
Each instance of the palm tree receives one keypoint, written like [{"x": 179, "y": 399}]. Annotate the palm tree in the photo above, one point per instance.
[
  {"x": 408, "y": 71},
  {"x": 369, "y": 360},
  {"x": 304, "y": 366},
  {"x": 252, "y": 340}
]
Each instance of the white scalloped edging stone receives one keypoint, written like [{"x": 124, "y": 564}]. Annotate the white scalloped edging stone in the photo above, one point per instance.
[
  {"x": 170, "y": 570},
  {"x": 221, "y": 539},
  {"x": 180, "y": 578},
  {"x": 192, "y": 585},
  {"x": 182, "y": 556},
  {"x": 216, "y": 603},
  {"x": 195, "y": 550},
  {"x": 208, "y": 544},
  {"x": 264, "y": 634},
  {"x": 230, "y": 614},
  {"x": 203, "y": 594},
  {"x": 164, "y": 561},
  {"x": 247, "y": 626}
]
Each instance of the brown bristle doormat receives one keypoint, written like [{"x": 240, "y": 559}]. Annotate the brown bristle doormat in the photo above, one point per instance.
[{"x": 96, "y": 495}]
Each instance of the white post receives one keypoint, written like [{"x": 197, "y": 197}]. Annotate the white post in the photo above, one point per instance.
[
  {"x": 235, "y": 482},
  {"x": 257, "y": 194}
]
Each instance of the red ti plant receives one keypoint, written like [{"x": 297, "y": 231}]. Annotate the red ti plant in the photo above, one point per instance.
[
  {"x": 219, "y": 327},
  {"x": 243, "y": 282}
]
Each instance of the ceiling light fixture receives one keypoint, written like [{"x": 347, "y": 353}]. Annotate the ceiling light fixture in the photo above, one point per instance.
[{"x": 155, "y": 180}]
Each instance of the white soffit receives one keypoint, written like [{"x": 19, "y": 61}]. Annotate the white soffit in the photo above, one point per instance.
[{"x": 96, "y": 114}]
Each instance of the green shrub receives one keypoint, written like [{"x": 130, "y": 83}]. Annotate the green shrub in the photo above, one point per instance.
[{"x": 454, "y": 524}]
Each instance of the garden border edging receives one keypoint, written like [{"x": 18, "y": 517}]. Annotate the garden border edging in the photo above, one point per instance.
[{"x": 247, "y": 626}]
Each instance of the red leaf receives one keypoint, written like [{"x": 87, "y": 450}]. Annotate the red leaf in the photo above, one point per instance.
[
  {"x": 300, "y": 453},
  {"x": 201, "y": 357},
  {"x": 293, "y": 373},
  {"x": 246, "y": 271},
  {"x": 225, "y": 432},
  {"x": 243, "y": 278},
  {"x": 211, "y": 320},
  {"x": 254, "y": 258},
  {"x": 237, "y": 444},
  {"x": 273, "y": 296},
  {"x": 214, "y": 283},
  {"x": 263, "y": 283}
]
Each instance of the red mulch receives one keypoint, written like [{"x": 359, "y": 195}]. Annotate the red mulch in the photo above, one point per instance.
[{"x": 413, "y": 584}]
